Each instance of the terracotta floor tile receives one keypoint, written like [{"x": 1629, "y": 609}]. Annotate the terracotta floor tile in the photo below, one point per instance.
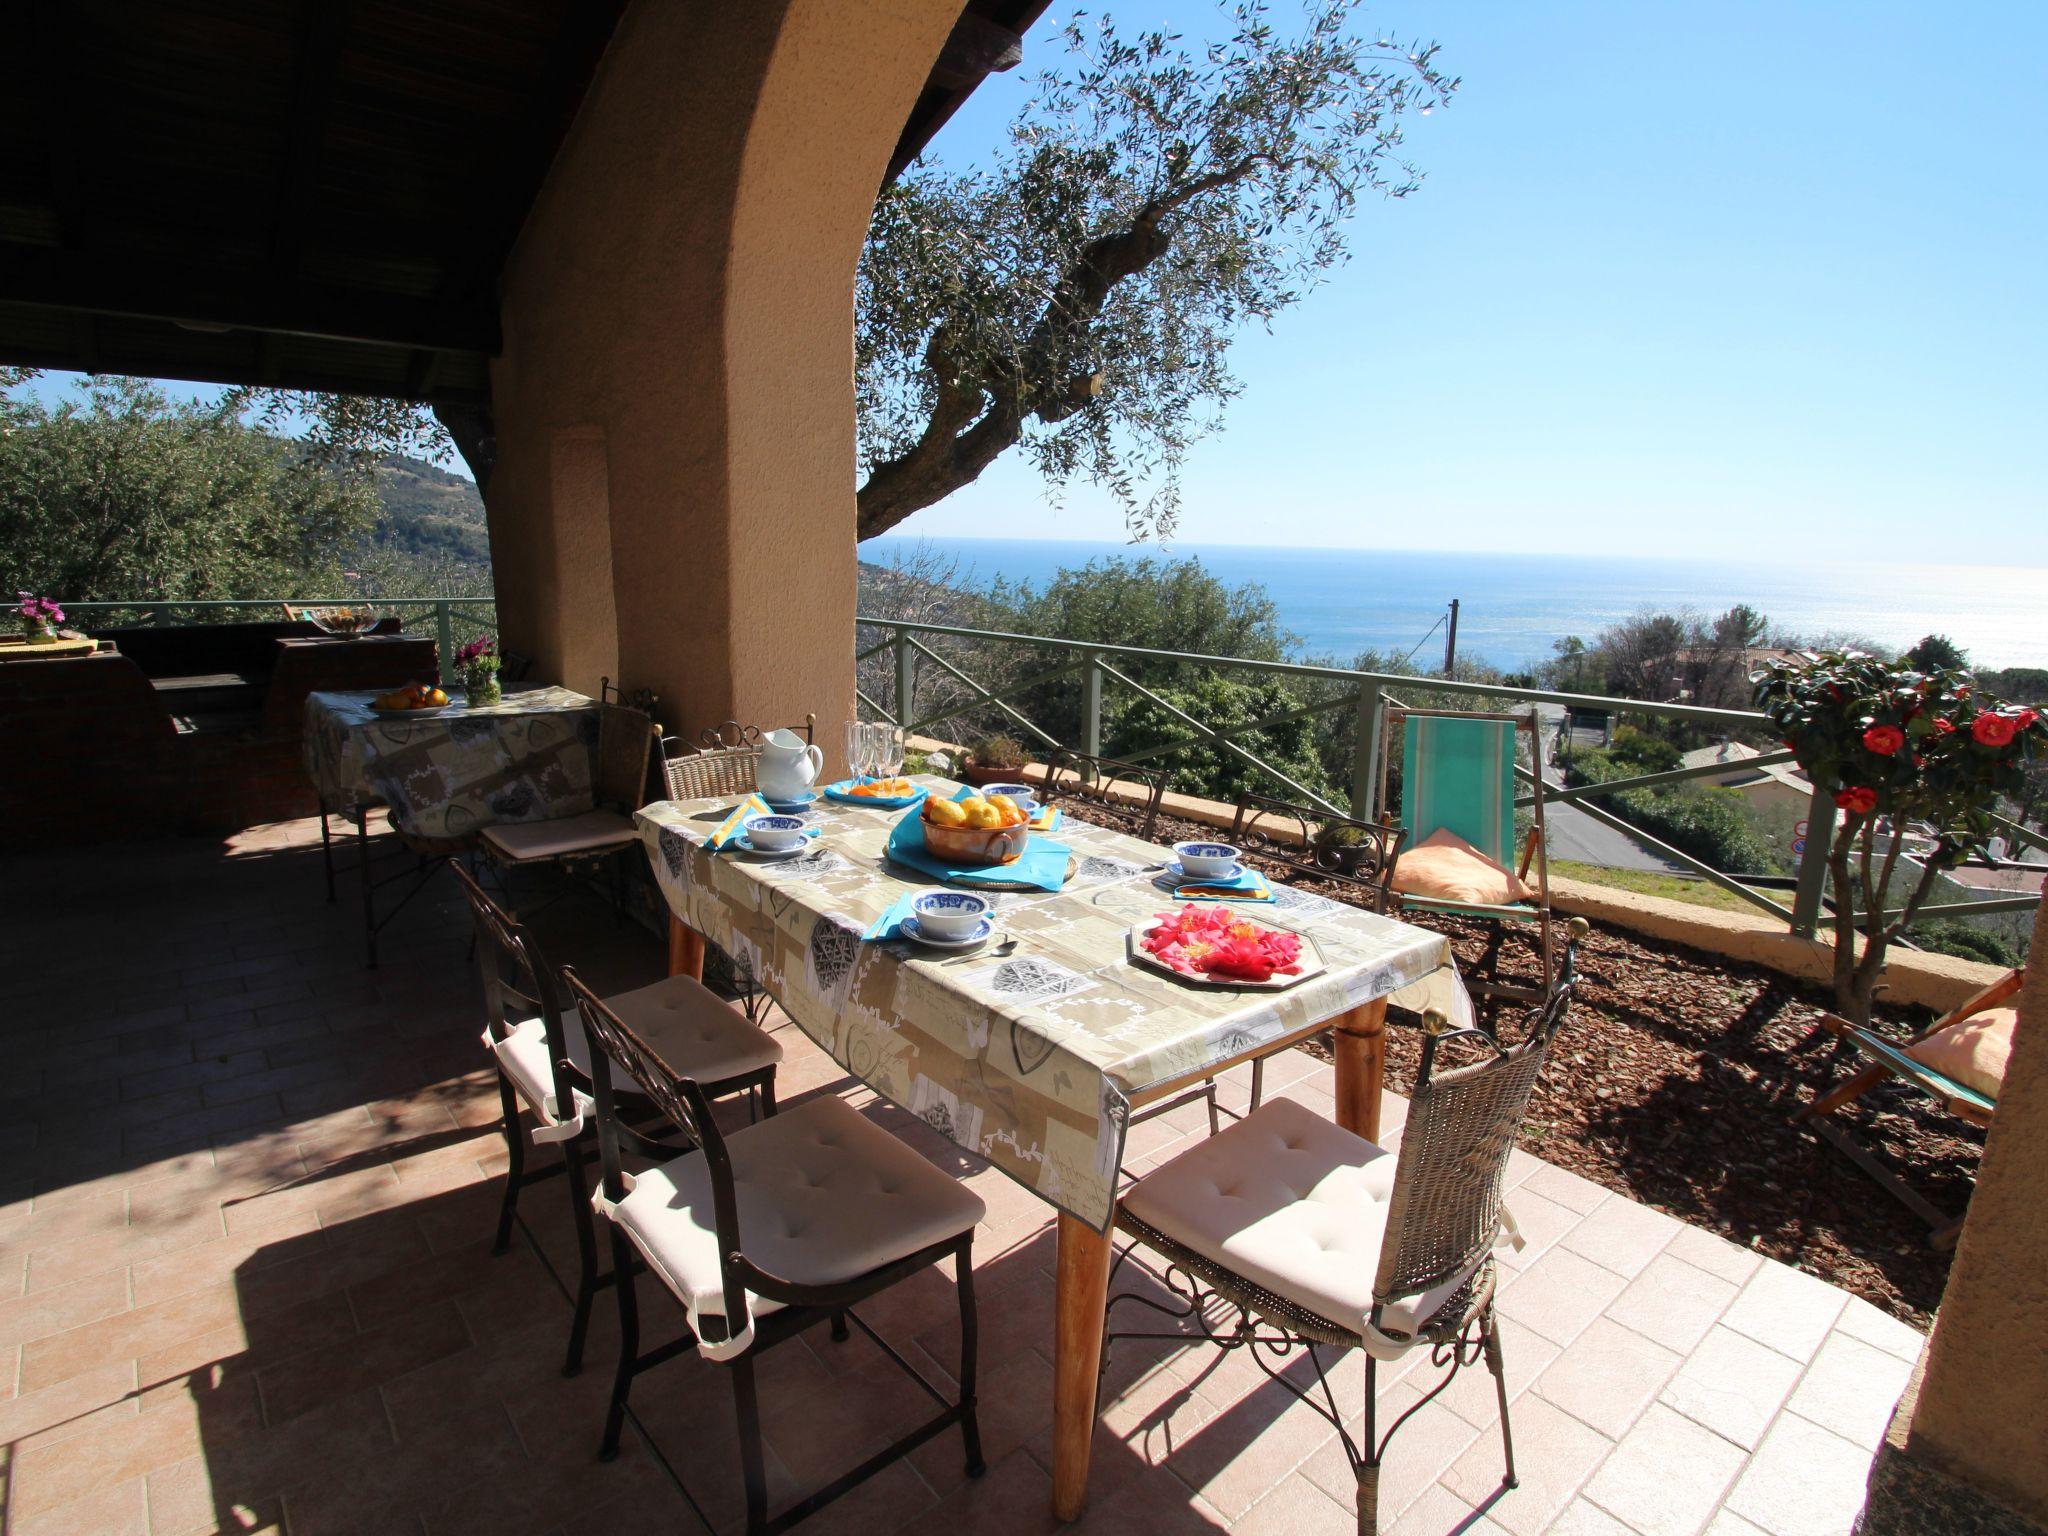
[
  {"x": 125, "y": 1335},
  {"x": 114, "y": 1509},
  {"x": 368, "y": 1360}
]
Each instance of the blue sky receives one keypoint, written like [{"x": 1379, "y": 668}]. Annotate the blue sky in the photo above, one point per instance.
[{"x": 1743, "y": 279}]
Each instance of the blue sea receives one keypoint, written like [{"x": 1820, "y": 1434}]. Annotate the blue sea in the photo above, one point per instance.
[{"x": 1338, "y": 602}]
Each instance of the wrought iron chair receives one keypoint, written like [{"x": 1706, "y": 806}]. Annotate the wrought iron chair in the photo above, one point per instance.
[
  {"x": 601, "y": 835},
  {"x": 1458, "y": 780},
  {"x": 543, "y": 1062},
  {"x": 765, "y": 1232},
  {"x": 1315, "y": 1236},
  {"x": 1355, "y": 857},
  {"x": 1122, "y": 795},
  {"x": 1285, "y": 833}
]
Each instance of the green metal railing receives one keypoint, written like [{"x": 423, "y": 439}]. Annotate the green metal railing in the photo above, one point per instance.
[
  {"x": 450, "y": 614},
  {"x": 1367, "y": 696}
]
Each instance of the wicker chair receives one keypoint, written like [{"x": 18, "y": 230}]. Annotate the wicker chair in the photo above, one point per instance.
[
  {"x": 536, "y": 1046},
  {"x": 724, "y": 762},
  {"x": 765, "y": 1232},
  {"x": 1413, "y": 1266},
  {"x": 1121, "y": 795}
]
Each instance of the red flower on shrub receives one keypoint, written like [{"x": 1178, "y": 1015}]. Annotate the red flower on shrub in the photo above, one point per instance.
[
  {"x": 1944, "y": 727},
  {"x": 1857, "y": 799},
  {"x": 2027, "y": 717},
  {"x": 1992, "y": 729},
  {"x": 1884, "y": 740}
]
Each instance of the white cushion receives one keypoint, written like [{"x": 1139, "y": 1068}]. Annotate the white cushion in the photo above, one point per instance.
[
  {"x": 588, "y": 833},
  {"x": 1295, "y": 1204},
  {"x": 689, "y": 1027},
  {"x": 823, "y": 1196}
]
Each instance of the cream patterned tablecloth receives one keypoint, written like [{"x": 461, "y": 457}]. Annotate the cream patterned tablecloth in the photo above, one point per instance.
[
  {"x": 449, "y": 772},
  {"x": 1031, "y": 1060}
]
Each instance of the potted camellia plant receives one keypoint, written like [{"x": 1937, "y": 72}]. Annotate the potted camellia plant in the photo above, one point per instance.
[
  {"x": 1895, "y": 747},
  {"x": 995, "y": 759},
  {"x": 478, "y": 664},
  {"x": 40, "y": 617}
]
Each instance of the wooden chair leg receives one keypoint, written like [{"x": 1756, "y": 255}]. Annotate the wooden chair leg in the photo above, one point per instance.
[{"x": 1846, "y": 1092}]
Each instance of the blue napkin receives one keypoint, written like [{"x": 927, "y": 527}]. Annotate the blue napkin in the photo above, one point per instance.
[
  {"x": 890, "y": 924},
  {"x": 735, "y": 823},
  {"x": 1247, "y": 885},
  {"x": 1043, "y": 867},
  {"x": 843, "y": 793}
]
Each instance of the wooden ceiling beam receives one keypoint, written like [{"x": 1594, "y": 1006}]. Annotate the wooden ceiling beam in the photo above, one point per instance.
[{"x": 215, "y": 298}]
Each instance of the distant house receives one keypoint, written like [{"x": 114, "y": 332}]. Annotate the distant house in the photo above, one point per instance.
[{"x": 1768, "y": 785}]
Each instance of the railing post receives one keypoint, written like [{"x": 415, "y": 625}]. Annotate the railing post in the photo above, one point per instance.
[
  {"x": 906, "y": 679},
  {"x": 1813, "y": 865},
  {"x": 444, "y": 639},
  {"x": 1091, "y": 706},
  {"x": 1365, "y": 754}
]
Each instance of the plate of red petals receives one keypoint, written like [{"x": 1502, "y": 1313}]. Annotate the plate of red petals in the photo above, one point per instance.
[{"x": 1220, "y": 946}]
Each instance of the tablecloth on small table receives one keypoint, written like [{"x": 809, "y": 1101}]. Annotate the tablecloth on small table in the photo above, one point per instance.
[{"x": 446, "y": 773}]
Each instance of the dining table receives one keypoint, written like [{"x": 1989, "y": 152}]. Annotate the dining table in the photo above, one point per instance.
[{"x": 1035, "y": 1051}]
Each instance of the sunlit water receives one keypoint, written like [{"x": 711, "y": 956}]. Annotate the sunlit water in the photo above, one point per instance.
[{"x": 1512, "y": 608}]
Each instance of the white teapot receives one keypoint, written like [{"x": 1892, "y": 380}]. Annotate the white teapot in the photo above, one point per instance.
[{"x": 787, "y": 768}]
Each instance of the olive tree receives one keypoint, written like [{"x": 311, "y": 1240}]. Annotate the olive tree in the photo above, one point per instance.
[{"x": 1078, "y": 298}]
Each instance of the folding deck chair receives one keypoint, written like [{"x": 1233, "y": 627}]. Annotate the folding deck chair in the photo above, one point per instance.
[
  {"x": 1458, "y": 776},
  {"x": 1887, "y": 1059}
]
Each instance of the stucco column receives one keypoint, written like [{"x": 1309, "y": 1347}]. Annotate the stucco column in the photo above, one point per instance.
[
  {"x": 1981, "y": 1414},
  {"x": 678, "y": 320}
]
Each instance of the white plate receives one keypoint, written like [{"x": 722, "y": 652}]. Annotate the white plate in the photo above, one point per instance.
[
  {"x": 746, "y": 846},
  {"x": 1311, "y": 962},
  {"x": 795, "y": 806},
  {"x": 1179, "y": 875},
  {"x": 913, "y": 930}
]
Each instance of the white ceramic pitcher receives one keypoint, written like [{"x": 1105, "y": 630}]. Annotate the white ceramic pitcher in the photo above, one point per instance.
[{"x": 787, "y": 768}]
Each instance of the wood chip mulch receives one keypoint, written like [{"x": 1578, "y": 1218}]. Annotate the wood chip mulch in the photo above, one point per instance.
[{"x": 1674, "y": 1082}]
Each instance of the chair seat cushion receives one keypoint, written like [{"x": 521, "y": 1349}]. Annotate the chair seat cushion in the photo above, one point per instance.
[
  {"x": 591, "y": 832},
  {"x": 690, "y": 1028},
  {"x": 1973, "y": 1051},
  {"x": 824, "y": 1196},
  {"x": 1295, "y": 1204},
  {"x": 1444, "y": 867}
]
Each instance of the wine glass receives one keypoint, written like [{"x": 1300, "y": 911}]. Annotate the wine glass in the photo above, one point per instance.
[
  {"x": 856, "y": 749},
  {"x": 895, "y": 744}
]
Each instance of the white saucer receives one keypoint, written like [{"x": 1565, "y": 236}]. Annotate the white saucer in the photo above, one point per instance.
[
  {"x": 913, "y": 930},
  {"x": 1179, "y": 876},
  {"x": 745, "y": 845},
  {"x": 796, "y": 805}
]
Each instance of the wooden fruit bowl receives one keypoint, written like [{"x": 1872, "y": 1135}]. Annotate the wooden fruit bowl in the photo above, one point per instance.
[{"x": 976, "y": 846}]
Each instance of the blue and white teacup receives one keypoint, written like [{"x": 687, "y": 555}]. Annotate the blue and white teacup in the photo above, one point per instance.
[
  {"x": 950, "y": 914},
  {"x": 1206, "y": 861},
  {"x": 1024, "y": 794},
  {"x": 772, "y": 834}
]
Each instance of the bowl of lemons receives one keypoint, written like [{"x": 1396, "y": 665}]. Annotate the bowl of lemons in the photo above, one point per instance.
[{"x": 978, "y": 831}]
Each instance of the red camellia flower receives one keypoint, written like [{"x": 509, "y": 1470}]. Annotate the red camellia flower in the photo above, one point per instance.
[
  {"x": 1944, "y": 727},
  {"x": 1884, "y": 740},
  {"x": 1857, "y": 799},
  {"x": 2027, "y": 717},
  {"x": 1992, "y": 729}
]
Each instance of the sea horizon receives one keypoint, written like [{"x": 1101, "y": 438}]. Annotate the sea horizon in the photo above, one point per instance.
[{"x": 1338, "y": 602}]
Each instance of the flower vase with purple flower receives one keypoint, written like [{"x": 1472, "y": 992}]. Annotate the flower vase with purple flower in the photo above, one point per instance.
[
  {"x": 478, "y": 664},
  {"x": 39, "y": 618}
]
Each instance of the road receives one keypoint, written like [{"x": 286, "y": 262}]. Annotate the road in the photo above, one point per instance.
[{"x": 1576, "y": 836}]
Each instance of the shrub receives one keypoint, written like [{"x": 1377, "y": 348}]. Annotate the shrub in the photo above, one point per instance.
[
  {"x": 1642, "y": 752},
  {"x": 1954, "y": 937},
  {"x": 1713, "y": 825},
  {"x": 1004, "y": 752}
]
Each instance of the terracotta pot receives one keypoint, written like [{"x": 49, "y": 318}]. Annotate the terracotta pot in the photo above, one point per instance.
[
  {"x": 976, "y": 774},
  {"x": 976, "y": 846}
]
